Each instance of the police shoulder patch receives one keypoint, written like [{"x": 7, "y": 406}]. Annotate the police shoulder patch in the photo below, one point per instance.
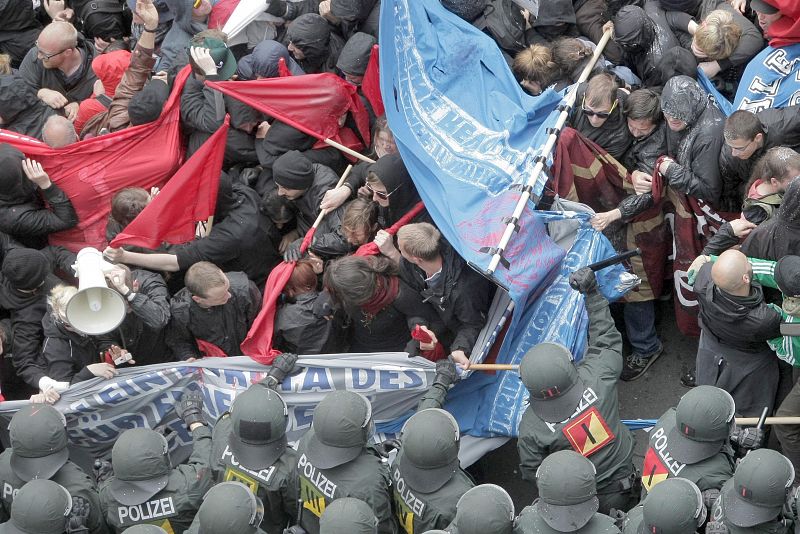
[{"x": 588, "y": 432}]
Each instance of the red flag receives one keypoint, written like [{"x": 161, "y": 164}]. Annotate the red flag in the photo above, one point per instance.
[
  {"x": 258, "y": 343},
  {"x": 220, "y": 13},
  {"x": 371, "y": 249},
  {"x": 312, "y": 103},
  {"x": 91, "y": 171},
  {"x": 283, "y": 70},
  {"x": 189, "y": 196},
  {"x": 371, "y": 84}
]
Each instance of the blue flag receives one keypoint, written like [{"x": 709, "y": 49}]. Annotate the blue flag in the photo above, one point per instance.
[
  {"x": 723, "y": 103},
  {"x": 771, "y": 80}
]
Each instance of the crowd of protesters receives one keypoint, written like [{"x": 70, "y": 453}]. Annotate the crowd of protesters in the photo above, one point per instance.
[{"x": 78, "y": 69}]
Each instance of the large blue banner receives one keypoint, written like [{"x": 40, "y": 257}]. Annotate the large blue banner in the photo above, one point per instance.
[{"x": 771, "y": 80}]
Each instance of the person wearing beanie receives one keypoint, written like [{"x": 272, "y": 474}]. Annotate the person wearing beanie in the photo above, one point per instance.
[
  {"x": 355, "y": 56},
  {"x": 38, "y": 438},
  {"x": 303, "y": 184}
]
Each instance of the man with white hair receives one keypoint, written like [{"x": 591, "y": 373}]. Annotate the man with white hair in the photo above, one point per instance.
[{"x": 58, "y": 132}]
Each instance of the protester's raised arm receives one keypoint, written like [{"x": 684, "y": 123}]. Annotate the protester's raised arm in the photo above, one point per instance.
[{"x": 156, "y": 262}]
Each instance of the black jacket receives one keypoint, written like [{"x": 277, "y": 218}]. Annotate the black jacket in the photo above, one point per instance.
[
  {"x": 66, "y": 353},
  {"x": 321, "y": 46},
  {"x": 244, "y": 240},
  {"x": 299, "y": 330},
  {"x": 696, "y": 148},
  {"x": 461, "y": 297},
  {"x": 75, "y": 89},
  {"x": 357, "y": 16},
  {"x": 20, "y": 110},
  {"x": 394, "y": 176},
  {"x": 225, "y": 326},
  {"x": 644, "y": 152},
  {"x": 22, "y": 213},
  {"x": 783, "y": 129},
  {"x": 613, "y": 136},
  {"x": 145, "y": 325},
  {"x": 779, "y": 236},
  {"x": 645, "y": 36}
]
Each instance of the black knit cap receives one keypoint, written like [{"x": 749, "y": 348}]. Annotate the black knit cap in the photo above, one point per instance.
[
  {"x": 25, "y": 268},
  {"x": 787, "y": 275},
  {"x": 293, "y": 171},
  {"x": 147, "y": 105}
]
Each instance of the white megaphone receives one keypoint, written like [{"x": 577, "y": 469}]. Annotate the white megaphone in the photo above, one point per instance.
[{"x": 95, "y": 309}]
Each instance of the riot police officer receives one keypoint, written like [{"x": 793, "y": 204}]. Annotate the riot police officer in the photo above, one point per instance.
[
  {"x": 38, "y": 437},
  {"x": 44, "y": 507},
  {"x": 482, "y": 509},
  {"x": 145, "y": 488},
  {"x": 333, "y": 461},
  {"x": 348, "y": 516},
  {"x": 752, "y": 501},
  {"x": 577, "y": 407},
  {"x": 674, "y": 506},
  {"x": 249, "y": 446},
  {"x": 427, "y": 479},
  {"x": 228, "y": 508},
  {"x": 567, "y": 498}
]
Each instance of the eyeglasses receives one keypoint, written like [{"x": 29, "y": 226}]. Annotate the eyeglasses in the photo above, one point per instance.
[
  {"x": 741, "y": 148},
  {"x": 381, "y": 194},
  {"x": 599, "y": 114},
  {"x": 42, "y": 55}
]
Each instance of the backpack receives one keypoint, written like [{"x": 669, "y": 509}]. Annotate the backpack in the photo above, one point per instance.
[
  {"x": 102, "y": 18},
  {"x": 503, "y": 20}
]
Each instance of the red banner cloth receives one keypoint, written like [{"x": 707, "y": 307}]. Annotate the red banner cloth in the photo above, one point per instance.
[
  {"x": 371, "y": 249},
  {"x": 188, "y": 197},
  {"x": 209, "y": 350},
  {"x": 312, "y": 103},
  {"x": 258, "y": 343},
  {"x": 91, "y": 171},
  {"x": 371, "y": 84}
]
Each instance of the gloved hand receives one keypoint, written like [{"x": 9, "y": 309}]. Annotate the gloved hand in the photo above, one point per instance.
[
  {"x": 446, "y": 374},
  {"x": 385, "y": 447},
  {"x": 282, "y": 366},
  {"x": 102, "y": 470},
  {"x": 79, "y": 515},
  {"x": 190, "y": 408},
  {"x": 276, "y": 8},
  {"x": 292, "y": 252},
  {"x": 583, "y": 280},
  {"x": 714, "y": 527},
  {"x": 710, "y": 496},
  {"x": 748, "y": 438},
  {"x": 698, "y": 262},
  {"x": 619, "y": 517}
]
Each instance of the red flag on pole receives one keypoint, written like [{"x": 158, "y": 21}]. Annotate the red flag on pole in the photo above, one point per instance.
[
  {"x": 312, "y": 103},
  {"x": 371, "y": 84},
  {"x": 91, "y": 171},
  {"x": 258, "y": 343},
  {"x": 188, "y": 197},
  {"x": 371, "y": 249}
]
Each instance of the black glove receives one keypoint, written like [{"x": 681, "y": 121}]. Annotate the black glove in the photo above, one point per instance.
[
  {"x": 583, "y": 280},
  {"x": 323, "y": 305},
  {"x": 446, "y": 374},
  {"x": 714, "y": 527},
  {"x": 619, "y": 517},
  {"x": 748, "y": 438},
  {"x": 79, "y": 515},
  {"x": 293, "y": 251},
  {"x": 190, "y": 408},
  {"x": 282, "y": 366},
  {"x": 710, "y": 496},
  {"x": 277, "y": 8},
  {"x": 385, "y": 447},
  {"x": 102, "y": 470}
]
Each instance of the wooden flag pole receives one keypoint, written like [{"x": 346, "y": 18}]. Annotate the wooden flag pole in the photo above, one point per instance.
[
  {"x": 350, "y": 151},
  {"x": 345, "y": 174}
]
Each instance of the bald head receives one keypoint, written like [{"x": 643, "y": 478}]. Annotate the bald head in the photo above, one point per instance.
[
  {"x": 58, "y": 34},
  {"x": 58, "y": 131},
  {"x": 732, "y": 273}
]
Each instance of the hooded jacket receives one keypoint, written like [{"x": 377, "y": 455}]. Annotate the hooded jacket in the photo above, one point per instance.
[
  {"x": 299, "y": 330},
  {"x": 356, "y": 53},
  {"x": 461, "y": 297},
  {"x": 22, "y": 213},
  {"x": 74, "y": 89},
  {"x": 262, "y": 62},
  {"x": 613, "y": 135},
  {"x": 696, "y": 148},
  {"x": 780, "y": 235},
  {"x": 644, "y": 36},
  {"x": 20, "y": 109},
  {"x": 320, "y": 46},
  {"x": 782, "y": 126},
  {"x": 357, "y": 16},
  {"x": 392, "y": 173},
  {"x": 145, "y": 325},
  {"x": 225, "y": 326}
]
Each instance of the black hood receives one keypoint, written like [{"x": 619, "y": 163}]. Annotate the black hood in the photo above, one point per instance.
[
  {"x": 354, "y": 56},
  {"x": 557, "y": 12},
  {"x": 676, "y": 61},
  {"x": 263, "y": 61},
  {"x": 311, "y": 34},
  {"x": 352, "y": 10},
  {"x": 15, "y": 187},
  {"x": 684, "y": 99},
  {"x": 789, "y": 212},
  {"x": 633, "y": 29},
  {"x": 392, "y": 173},
  {"x": 692, "y": 7},
  {"x": 15, "y": 97},
  {"x": 226, "y": 200}
]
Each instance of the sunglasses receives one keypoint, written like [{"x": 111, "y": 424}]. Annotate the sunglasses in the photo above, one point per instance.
[
  {"x": 599, "y": 114},
  {"x": 381, "y": 194}
]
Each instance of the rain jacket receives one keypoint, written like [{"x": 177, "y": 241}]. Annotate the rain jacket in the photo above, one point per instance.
[
  {"x": 645, "y": 37},
  {"x": 779, "y": 236},
  {"x": 262, "y": 62},
  {"x": 357, "y": 16},
  {"x": 613, "y": 136},
  {"x": 392, "y": 173},
  {"x": 20, "y": 109},
  {"x": 320, "y": 45}
]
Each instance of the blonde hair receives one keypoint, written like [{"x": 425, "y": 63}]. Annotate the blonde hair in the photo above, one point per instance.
[
  {"x": 5, "y": 64},
  {"x": 718, "y": 35},
  {"x": 420, "y": 240},
  {"x": 535, "y": 64},
  {"x": 203, "y": 276},
  {"x": 57, "y": 302}
]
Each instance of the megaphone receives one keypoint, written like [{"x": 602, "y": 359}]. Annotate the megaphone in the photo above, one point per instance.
[{"x": 95, "y": 309}]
